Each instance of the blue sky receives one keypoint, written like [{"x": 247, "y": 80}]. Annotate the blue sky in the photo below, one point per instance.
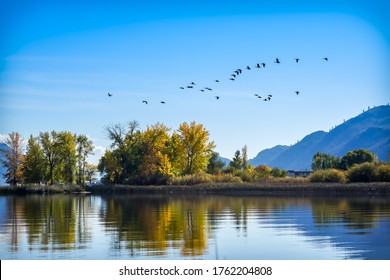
[{"x": 58, "y": 61}]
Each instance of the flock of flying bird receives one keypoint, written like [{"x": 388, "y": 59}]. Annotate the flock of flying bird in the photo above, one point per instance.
[{"x": 232, "y": 77}]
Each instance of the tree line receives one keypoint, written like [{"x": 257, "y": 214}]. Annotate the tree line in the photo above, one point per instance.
[
  {"x": 50, "y": 158},
  {"x": 154, "y": 155},
  {"x": 355, "y": 166},
  {"x": 158, "y": 156}
]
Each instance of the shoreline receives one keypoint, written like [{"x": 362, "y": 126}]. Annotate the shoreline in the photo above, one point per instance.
[{"x": 258, "y": 189}]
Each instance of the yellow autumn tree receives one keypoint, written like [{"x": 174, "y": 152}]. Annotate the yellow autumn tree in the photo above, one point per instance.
[
  {"x": 192, "y": 148},
  {"x": 155, "y": 145}
]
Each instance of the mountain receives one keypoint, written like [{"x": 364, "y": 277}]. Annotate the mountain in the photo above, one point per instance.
[
  {"x": 226, "y": 161},
  {"x": 369, "y": 130},
  {"x": 268, "y": 155}
]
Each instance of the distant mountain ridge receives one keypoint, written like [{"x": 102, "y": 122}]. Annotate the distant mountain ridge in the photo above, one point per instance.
[{"x": 369, "y": 130}]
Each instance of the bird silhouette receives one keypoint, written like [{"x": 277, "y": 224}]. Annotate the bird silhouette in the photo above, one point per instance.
[
  {"x": 202, "y": 90},
  {"x": 181, "y": 87},
  {"x": 190, "y": 87},
  {"x": 277, "y": 60},
  {"x": 144, "y": 101},
  {"x": 232, "y": 75},
  {"x": 162, "y": 102},
  {"x": 325, "y": 58},
  {"x": 217, "y": 81},
  {"x": 257, "y": 65},
  {"x": 232, "y": 79},
  {"x": 192, "y": 83},
  {"x": 210, "y": 89},
  {"x": 263, "y": 64},
  {"x": 217, "y": 97},
  {"x": 109, "y": 94},
  {"x": 297, "y": 60},
  {"x": 248, "y": 68},
  {"x": 297, "y": 92}
]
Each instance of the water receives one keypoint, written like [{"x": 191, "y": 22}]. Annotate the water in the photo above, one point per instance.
[{"x": 193, "y": 227}]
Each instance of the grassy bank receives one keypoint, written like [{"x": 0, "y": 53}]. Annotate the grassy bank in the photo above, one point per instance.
[
  {"x": 35, "y": 189},
  {"x": 259, "y": 188}
]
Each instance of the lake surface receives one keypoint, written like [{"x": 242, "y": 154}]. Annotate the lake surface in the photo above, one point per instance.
[{"x": 193, "y": 227}]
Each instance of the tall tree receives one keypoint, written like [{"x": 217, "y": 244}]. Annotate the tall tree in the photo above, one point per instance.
[
  {"x": 244, "y": 151},
  {"x": 84, "y": 147},
  {"x": 51, "y": 154},
  {"x": 194, "y": 147},
  {"x": 121, "y": 163},
  {"x": 34, "y": 162},
  {"x": 13, "y": 159},
  {"x": 237, "y": 160},
  {"x": 155, "y": 163},
  {"x": 324, "y": 161},
  {"x": 215, "y": 164},
  {"x": 66, "y": 142}
]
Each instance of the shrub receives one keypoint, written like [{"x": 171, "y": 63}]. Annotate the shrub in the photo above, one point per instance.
[
  {"x": 263, "y": 171},
  {"x": 193, "y": 179},
  {"x": 327, "y": 175},
  {"x": 364, "y": 172},
  {"x": 382, "y": 173},
  {"x": 278, "y": 173},
  {"x": 226, "y": 178}
]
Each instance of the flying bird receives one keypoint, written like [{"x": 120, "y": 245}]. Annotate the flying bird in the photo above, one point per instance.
[
  {"x": 231, "y": 79},
  {"x": 232, "y": 75},
  {"x": 297, "y": 60},
  {"x": 325, "y": 58},
  {"x": 277, "y": 60},
  {"x": 248, "y": 68},
  {"x": 144, "y": 101},
  {"x": 181, "y": 87},
  {"x": 217, "y": 97},
  {"x": 297, "y": 92},
  {"x": 162, "y": 102},
  {"x": 189, "y": 86},
  {"x": 202, "y": 90},
  {"x": 192, "y": 83},
  {"x": 217, "y": 81},
  {"x": 109, "y": 94},
  {"x": 257, "y": 65},
  {"x": 263, "y": 64}
]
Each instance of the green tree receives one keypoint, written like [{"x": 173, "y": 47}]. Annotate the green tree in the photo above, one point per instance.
[
  {"x": 215, "y": 164},
  {"x": 194, "y": 148},
  {"x": 322, "y": 161},
  {"x": 89, "y": 172},
  {"x": 356, "y": 157},
  {"x": 121, "y": 164},
  {"x": 277, "y": 172},
  {"x": 84, "y": 148},
  {"x": 110, "y": 167},
  {"x": 66, "y": 143},
  {"x": 13, "y": 159},
  {"x": 236, "y": 161},
  {"x": 51, "y": 154},
  {"x": 34, "y": 162}
]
